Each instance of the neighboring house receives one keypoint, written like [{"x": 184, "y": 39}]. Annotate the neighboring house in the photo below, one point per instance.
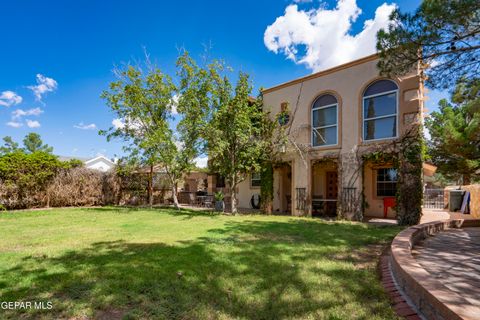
[
  {"x": 100, "y": 163},
  {"x": 332, "y": 116}
]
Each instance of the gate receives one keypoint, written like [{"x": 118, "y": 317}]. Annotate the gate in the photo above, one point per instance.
[{"x": 433, "y": 199}]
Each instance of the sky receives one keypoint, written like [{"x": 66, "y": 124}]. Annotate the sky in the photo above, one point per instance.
[{"x": 56, "y": 57}]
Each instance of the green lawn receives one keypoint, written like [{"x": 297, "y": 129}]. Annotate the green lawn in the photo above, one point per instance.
[{"x": 118, "y": 263}]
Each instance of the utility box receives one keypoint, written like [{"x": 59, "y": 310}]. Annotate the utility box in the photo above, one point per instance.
[{"x": 456, "y": 199}]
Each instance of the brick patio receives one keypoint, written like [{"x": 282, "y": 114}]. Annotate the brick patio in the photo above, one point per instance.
[{"x": 453, "y": 258}]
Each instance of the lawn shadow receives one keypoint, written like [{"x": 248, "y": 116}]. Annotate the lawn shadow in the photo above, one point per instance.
[
  {"x": 185, "y": 212},
  {"x": 249, "y": 269}
]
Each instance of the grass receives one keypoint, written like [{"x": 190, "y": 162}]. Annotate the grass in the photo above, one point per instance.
[{"x": 118, "y": 263}]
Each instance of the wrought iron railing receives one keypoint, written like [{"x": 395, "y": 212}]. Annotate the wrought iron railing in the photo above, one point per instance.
[{"x": 434, "y": 199}]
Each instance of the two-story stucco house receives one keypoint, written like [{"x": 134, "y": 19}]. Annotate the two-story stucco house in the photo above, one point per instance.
[{"x": 331, "y": 117}]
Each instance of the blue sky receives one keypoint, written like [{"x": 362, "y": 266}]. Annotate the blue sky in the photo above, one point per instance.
[{"x": 75, "y": 45}]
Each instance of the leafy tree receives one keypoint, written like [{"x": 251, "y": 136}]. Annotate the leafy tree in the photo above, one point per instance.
[
  {"x": 455, "y": 133},
  {"x": 33, "y": 143},
  {"x": 147, "y": 101},
  {"x": 143, "y": 100},
  {"x": 441, "y": 34},
  {"x": 8, "y": 145},
  {"x": 234, "y": 133}
]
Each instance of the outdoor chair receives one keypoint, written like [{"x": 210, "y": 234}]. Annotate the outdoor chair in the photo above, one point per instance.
[
  {"x": 192, "y": 199},
  {"x": 208, "y": 203}
]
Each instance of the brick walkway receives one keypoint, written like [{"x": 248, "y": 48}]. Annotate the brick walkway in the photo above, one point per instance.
[
  {"x": 399, "y": 303},
  {"x": 453, "y": 258}
]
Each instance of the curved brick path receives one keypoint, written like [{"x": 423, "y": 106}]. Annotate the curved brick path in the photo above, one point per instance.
[{"x": 453, "y": 258}]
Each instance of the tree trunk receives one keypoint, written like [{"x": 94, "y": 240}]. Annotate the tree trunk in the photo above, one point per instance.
[
  {"x": 150, "y": 187},
  {"x": 233, "y": 196},
  {"x": 174, "y": 196},
  {"x": 466, "y": 179}
]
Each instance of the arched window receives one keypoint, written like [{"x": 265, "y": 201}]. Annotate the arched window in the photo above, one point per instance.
[
  {"x": 324, "y": 121},
  {"x": 380, "y": 108}
]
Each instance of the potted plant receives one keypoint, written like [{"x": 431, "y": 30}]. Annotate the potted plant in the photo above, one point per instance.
[{"x": 219, "y": 203}]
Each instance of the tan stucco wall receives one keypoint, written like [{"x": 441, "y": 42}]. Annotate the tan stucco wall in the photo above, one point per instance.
[
  {"x": 245, "y": 192},
  {"x": 347, "y": 84},
  {"x": 474, "y": 190},
  {"x": 374, "y": 206}
]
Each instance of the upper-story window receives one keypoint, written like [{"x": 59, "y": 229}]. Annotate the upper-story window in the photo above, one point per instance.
[
  {"x": 380, "y": 108},
  {"x": 324, "y": 121}
]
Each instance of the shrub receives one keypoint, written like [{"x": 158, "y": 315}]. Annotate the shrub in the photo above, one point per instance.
[
  {"x": 24, "y": 178},
  {"x": 76, "y": 187}
]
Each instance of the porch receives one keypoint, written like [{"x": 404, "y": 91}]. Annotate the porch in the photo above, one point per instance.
[{"x": 325, "y": 188}]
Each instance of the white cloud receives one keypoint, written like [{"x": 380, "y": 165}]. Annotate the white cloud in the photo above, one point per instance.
[
  {"x": 118, "y": 123},
  {"x": 14, "y": 124},
  {"x": 83, "y": 126},
  {"x": 320, "y": 39},
  {"x": 30, "y": 112},
  {"x": 174, "y": 104},
  {"x": 9, "y": 98},
  {"x": 33, "y": 123},
  {"x": 44, "y": 85},
  {"x": 126, "y": 123},
  {"x": 201, "y": 162}
]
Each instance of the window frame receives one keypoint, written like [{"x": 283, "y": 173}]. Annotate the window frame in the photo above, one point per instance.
[
  {"x": 259, "y": 180},
  {"x": 327, "y": 126},
  {"x": 396, "y": 91},
  {"x": 390, "y": 182}
]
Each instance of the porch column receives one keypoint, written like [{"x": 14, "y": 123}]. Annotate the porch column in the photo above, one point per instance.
[
  {"x": 301, "y": 187},
  {"x": 211, "y": 183},
  {"x": 350, "y": 178}
]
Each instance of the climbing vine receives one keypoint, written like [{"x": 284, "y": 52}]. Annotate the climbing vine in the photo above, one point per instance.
[
  {"x": 266, "y": 187},
  {"x": 407, "y": 157},
  {"x": 410, "y": 185}
]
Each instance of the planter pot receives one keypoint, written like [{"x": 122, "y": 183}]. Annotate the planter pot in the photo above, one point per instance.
[{"x": 219, "y": 206}]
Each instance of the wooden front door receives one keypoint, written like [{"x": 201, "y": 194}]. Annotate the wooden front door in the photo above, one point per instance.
[{"x": 332, "y": 192}]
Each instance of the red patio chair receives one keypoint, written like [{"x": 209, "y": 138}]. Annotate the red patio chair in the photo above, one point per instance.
[{"x": 388, "y": 202}]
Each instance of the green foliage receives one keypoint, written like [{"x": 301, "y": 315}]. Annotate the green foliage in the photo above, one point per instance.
[
  {"x": 455, "y": 133},
  {"x": 234, "y": 133},
  {"x": 408, "y": 159},
  {"x": 146, "y": 101},
  {"x": 409, "y": 195},
  {"x": 28, "y": 171},
  {"x": 72, "y": 163},
  {"x": 219, "y": 196},
  {"x": 381, "y": 158},
  {"x": 33, "y": 143},
  {"x": 143, "y": 100},
  {"x": 27, "y": 176},
  {"x": 8, "y": 145},
  {"x": 266, "y": 187},
  {"x": 440, "y": 34}
]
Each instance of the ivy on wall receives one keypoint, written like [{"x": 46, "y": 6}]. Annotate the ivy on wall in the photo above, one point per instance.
[
  {"x": 410, "y": 185},
  {"x": 266, "y": 188},
  {"x": 408, "y": 159}
]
